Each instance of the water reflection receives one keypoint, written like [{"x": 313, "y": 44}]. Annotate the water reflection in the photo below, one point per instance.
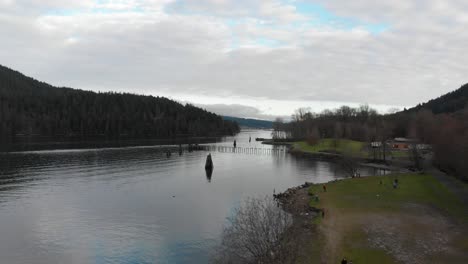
[
  {"x": 135, "y": 204},
  {"x": 209, "y": 172}
]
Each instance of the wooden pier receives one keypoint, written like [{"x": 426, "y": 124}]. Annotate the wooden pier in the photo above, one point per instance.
[
  {"x": 245, "y": 150},
  {"x": 222, "y": 149}
]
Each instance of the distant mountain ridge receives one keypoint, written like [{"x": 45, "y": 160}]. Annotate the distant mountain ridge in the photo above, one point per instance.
[
  {"x": 250, "y": 122},
  {"x": 32, "y": 108},
  {"x": 448, "y": 103}
]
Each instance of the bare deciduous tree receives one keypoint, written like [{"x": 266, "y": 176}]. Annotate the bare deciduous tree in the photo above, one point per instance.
[
  {"x": 313, "y": 136},
  {"x": 278, "y": 129},
  {"x": 415, "y": 156},
  {"x": 257, "y": 233},
  {"x": 349, "y": 162}
]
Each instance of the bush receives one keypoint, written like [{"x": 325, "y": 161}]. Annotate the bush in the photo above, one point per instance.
[{"x": 257, "y": 233}]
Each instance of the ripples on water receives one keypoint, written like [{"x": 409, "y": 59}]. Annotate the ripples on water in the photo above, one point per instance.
[{"x": 133, "y": 205}]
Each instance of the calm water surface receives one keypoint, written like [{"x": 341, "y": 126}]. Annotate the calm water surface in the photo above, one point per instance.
[{"x": 134, "y": 205}]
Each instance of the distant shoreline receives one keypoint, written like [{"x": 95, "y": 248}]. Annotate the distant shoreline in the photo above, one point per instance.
[{"x": 34, "y": 144}]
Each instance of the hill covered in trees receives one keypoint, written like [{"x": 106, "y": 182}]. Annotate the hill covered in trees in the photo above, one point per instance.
[
  {"x": 249, "y": 122},
  {"x": 448, "y": 103},
  {"x": 32, "y": 108},
  {"x": 441, "y": 122}
]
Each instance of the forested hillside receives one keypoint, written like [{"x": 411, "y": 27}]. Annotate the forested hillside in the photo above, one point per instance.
[
  {"x": 447, "y": 103},
  {"x": 32, "y": 108},
  {"x": 442, "y": 123},
  {"x": 249, "y": 122}
]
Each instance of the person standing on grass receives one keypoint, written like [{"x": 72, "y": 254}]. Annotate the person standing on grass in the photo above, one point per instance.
[{"x": 324, "y": 188}]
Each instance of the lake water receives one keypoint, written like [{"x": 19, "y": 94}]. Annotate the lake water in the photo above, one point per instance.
[{"x": 134, "y": 205}]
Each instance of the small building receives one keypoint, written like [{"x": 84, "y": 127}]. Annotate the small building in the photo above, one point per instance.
[{"x": 402, "y": 143}]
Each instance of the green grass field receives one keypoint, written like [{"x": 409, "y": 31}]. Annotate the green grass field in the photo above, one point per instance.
[
  {"x": 352, "y": 147},
  {"x": 332, "y": 145},
  {"x": 368, "y": 194},
  {"x": 415, "y": 208}
]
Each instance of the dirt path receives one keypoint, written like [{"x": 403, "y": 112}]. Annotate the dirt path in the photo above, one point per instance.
[
  {"x": 332, "y": 229},
  {"x": 413, "y": 238}
]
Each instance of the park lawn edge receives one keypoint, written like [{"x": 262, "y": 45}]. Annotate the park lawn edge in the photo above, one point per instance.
[
  {"x": 342, "y": 146},
  {"x": 359, "y": 195}
]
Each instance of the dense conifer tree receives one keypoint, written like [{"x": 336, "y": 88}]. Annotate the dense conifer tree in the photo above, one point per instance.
[{"x": 32, "y": 108}]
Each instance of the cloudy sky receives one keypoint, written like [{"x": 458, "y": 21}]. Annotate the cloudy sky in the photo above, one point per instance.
[{"x": 243, "y": 57}]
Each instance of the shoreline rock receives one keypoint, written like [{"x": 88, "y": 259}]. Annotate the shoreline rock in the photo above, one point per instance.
[{"x": 296, "y": 200}]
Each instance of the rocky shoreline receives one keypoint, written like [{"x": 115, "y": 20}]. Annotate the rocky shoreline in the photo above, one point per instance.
[{"x": 295, "y": 201}]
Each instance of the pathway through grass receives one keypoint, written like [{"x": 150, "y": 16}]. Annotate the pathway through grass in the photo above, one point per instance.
[{"x": 368, "y": 221}]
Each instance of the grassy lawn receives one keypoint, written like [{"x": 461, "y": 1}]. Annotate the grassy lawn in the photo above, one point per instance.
[
  {"x": 332, "y": 145},
  {"x": 355, "y": 148},
  {"x": 368, "y": 194},
  {"x": 360, "y": 213}
]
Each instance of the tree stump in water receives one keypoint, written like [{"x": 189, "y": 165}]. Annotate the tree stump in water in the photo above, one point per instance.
[{"x": 209, "y": 163}]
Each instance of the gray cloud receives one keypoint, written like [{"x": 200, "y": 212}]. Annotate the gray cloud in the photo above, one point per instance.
[{"x": 186, "y": 47}]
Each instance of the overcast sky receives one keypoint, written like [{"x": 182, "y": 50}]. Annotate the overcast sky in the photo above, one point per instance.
[{"x": 271, "y": 55}]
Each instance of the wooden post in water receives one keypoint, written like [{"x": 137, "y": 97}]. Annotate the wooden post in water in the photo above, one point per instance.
[{"x": 209, "y": 162}]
